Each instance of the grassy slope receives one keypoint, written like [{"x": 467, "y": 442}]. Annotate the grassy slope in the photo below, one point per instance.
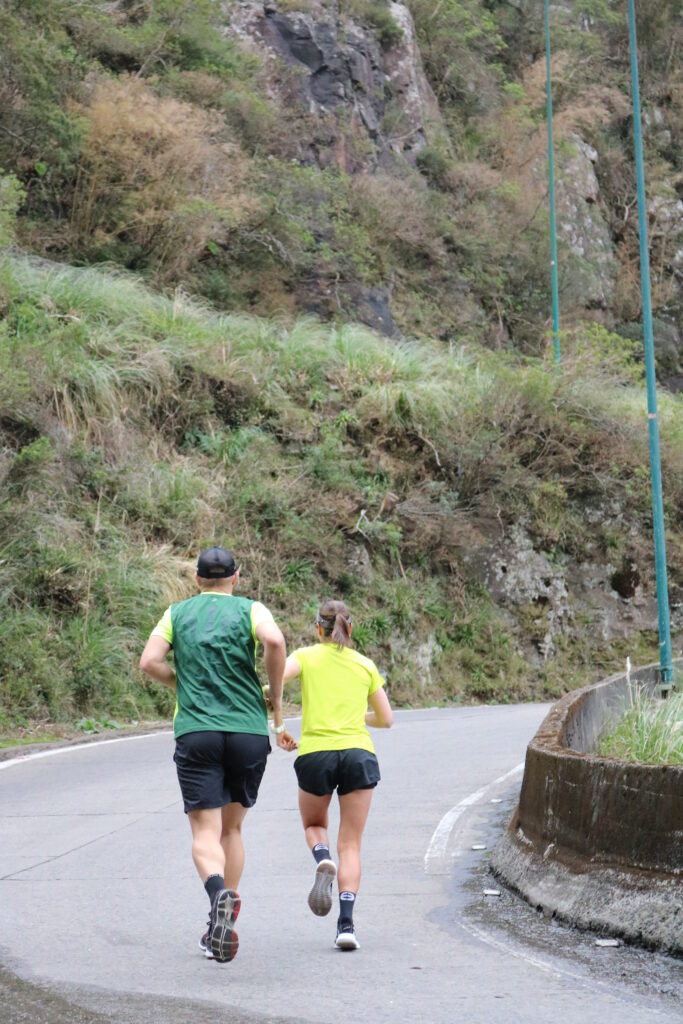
[{"x": 135, "y": 428}]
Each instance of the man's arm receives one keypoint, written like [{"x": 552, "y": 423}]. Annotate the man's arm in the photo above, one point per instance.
[
  {"x": 153, "y": 661},
  {"x": 274, "y": 657}
]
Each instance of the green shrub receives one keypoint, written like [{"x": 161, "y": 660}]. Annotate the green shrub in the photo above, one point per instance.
[
  {"x": 12, "y": 196},
  {"x": 434, "y": 164}
]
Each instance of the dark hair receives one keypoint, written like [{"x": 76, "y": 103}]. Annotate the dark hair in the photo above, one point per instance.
[{"x": 335, "y": 619}]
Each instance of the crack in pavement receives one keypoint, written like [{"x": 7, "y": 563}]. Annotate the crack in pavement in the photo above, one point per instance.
[{"x": 81, "y": 846}]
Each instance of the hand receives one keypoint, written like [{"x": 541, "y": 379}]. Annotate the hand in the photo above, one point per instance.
[{"x": 286, "y": 741}]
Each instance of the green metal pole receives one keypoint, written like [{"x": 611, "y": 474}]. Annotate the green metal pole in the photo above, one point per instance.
[
  {"x": 551, "y": 192},
  {"x": 665, "y": 663}
]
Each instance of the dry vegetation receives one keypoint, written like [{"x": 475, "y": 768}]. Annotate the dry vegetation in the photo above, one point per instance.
[{"x": 155, "y": 176}]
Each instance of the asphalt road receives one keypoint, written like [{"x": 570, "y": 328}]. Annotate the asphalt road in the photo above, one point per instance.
[{"x": 100, "y": 908}]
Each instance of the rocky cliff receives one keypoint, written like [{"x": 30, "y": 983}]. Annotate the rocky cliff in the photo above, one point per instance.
[
  {"x": 340, "y": 67},
  {"x": 356, "y": 71}
]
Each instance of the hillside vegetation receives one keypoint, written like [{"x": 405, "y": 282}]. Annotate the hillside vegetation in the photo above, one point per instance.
[
  {"x": 199, "y": 199},
  {"x": 137, "y": 428}
]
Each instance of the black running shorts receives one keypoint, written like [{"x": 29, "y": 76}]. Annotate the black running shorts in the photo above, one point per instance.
[
  {"x": 323, "y": 771},
  {"x": 218, "y": 768}
]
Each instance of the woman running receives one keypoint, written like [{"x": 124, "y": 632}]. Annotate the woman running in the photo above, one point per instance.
[{"x": 336, "y": 752}]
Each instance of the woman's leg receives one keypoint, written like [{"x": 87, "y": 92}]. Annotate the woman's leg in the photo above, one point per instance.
[
  {"x": 313, "y": 811},
  {"x": 353, "y": 809},
  {"x": 314, "y": 817},
  {"x": 232, "y": 816}
]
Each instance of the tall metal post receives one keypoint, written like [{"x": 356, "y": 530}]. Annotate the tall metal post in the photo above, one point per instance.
[
  {"x": 551, "y": 193},
  {"x": 665, "y": 662}
]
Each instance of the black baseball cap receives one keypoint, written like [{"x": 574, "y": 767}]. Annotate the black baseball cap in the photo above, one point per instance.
[{"x": 216, "y": 564}]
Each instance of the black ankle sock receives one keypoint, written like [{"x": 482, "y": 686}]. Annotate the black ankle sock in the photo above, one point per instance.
[
  {"x": 214, "y": 884},
  {"x": 347, "y": 901},
  {"x": 321, "y": 852}
]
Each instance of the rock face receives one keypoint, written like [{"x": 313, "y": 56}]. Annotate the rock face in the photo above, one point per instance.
[
  {"x": 516, "y": 575},
  {"x": 560, "y": 596},
  {"x": 342, "y": 69},
  {"x": 588, "y": 276}
]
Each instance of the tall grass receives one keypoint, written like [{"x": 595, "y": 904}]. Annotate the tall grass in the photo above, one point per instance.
[
  {"x": 649, "y": 732},
  {"x": 136, "y": 427}
]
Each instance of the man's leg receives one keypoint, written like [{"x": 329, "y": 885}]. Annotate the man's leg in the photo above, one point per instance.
[
  {"x": 220, "y": 941},
  {"x": 207, "y": 852},
  {"x": 232, "y": 816}
]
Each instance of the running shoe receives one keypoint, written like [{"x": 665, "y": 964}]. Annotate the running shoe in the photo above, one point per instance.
[
  {"x": 346, "y": 936},
  {"x": 204, "y": 942},
  {"x": 222, "y": 938},
  {"x": 320, "y": 896}
]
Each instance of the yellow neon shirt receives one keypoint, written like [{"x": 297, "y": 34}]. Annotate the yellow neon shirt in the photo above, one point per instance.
[{"x": 335, "y": 686}]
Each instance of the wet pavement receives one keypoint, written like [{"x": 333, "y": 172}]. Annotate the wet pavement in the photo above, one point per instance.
[{"x": 508, "y": 923}]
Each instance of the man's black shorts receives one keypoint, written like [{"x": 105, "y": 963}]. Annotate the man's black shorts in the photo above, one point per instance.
[
  {"x": 323, "y": 771},
  {"x": 217, "y": 768}
]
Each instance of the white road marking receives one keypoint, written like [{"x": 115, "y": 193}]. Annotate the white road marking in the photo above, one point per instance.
[
  {"x": 439, "y": 841},
  {"x": 22, "y": 759}
]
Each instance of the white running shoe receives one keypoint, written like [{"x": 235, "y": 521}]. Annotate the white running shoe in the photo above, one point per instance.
[
  {"x": 320, "y": 896},
  {"x": 346, "y": 937}
]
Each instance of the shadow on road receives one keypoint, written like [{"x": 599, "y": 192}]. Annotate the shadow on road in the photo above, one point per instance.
[{"x": 26, "y": 1003}]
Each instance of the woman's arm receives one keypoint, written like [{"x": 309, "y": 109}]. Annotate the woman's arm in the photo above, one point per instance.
[
  {"x": 292, "y": 670},
  {"x": 381, "y": 716}
]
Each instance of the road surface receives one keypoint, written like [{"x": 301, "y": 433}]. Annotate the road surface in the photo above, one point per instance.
[{"x": 100, "y": 908}]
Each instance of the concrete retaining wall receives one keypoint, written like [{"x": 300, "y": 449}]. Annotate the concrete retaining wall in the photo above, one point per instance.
[{"x": 595, "y": 840}]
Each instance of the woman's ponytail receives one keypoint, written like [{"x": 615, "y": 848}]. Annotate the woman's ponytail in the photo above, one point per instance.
[{"x": 335, "y": 619}]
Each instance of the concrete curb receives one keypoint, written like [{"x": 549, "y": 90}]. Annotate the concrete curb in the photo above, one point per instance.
[{"x": 595, "y": 841}]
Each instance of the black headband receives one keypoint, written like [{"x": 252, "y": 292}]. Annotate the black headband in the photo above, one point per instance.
[{"x": 329, "y": 620}]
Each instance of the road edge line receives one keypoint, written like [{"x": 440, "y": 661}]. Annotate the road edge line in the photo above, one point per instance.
[{"x": 442, "y": 833}]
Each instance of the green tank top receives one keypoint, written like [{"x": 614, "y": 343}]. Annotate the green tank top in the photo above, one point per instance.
[{"x": 214, "y": 652}]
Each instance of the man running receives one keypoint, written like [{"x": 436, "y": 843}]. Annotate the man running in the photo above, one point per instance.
[{"x": 220, "y": 725}]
